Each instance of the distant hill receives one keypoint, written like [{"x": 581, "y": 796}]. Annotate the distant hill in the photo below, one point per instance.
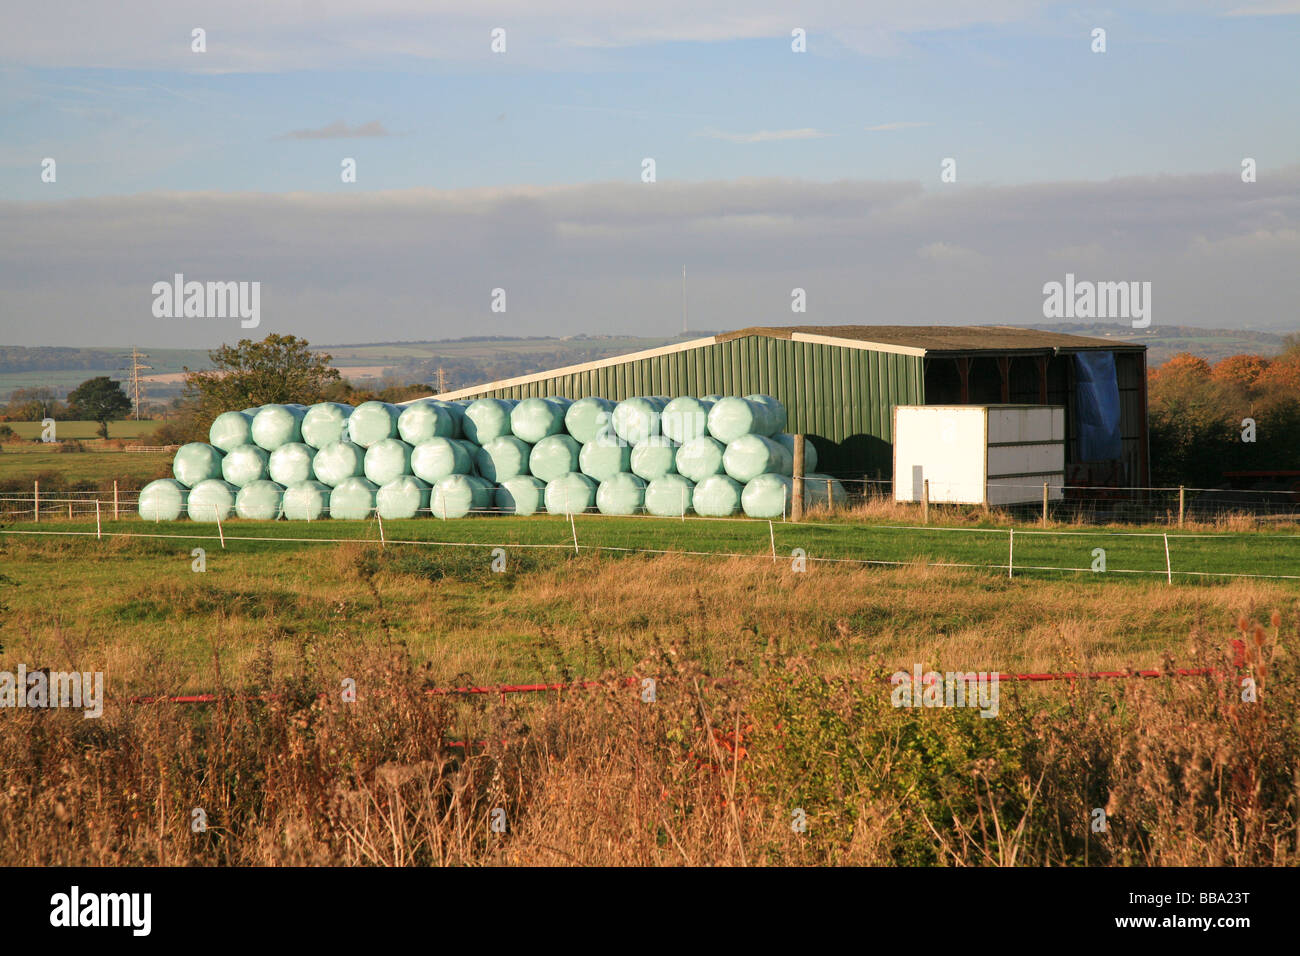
[{"x": 469, "y": 361}]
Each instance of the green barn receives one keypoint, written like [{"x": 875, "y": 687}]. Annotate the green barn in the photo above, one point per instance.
[{"x": 840, "y": 384}]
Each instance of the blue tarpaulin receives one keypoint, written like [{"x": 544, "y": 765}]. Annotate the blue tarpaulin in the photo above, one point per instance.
[{"x": 1097, "y": 414}]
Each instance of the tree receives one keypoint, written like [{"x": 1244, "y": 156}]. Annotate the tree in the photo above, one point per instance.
[
  {"x": 99, "y": 400},
  {"x": 280, "y": 369},
  {"x": 1240, "y": 371}
]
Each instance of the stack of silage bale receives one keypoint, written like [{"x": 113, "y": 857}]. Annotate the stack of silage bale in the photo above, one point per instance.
[{"x": 716, "y": 456}]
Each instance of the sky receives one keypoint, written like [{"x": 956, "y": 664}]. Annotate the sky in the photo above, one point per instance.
[{"x": 523, "y": 168}]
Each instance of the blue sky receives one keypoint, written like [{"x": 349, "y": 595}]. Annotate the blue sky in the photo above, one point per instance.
[{"x": 711, "y": 91}]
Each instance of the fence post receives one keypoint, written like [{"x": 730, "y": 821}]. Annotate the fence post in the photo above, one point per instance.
[
  {"x": 380, "y": 519},
  {"x": 1011, "y": 552},
  {"x": 1044, "y": 504},
  {"x": 1181, "y": 504},
  {"x": 796, "y": 486},
  {"x": 772, "y": 531},
  {"x": 114, "y": 499},
  {"x": 1169, "y": 568},
  {"x": 221, "y": 534},
  {"x": 925, "y": 502},
  {"x": 36, "y": 499},
  {"x": 99, "y": 534}
]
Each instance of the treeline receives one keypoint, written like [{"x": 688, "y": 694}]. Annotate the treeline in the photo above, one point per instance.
[{"x": 1238, "y": 414}]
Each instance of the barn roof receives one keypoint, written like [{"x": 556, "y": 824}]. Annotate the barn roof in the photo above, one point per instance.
[{"x": 940, "y": 339}]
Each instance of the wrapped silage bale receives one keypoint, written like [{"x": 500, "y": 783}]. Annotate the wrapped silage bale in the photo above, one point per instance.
[
  {"x": 766, "y": 496},
  {"x": 244, "y": 464},
  {"x": 338, "y": 461},
  {"x": 403, "y": 497},
  {"x": 636, "y": 419},
  {"x": 521, "y": 495},
  {"x": 573, "y": 493},
  {"x": 436, "y": 458},
  {"x": 654, "y": 457},
  {"x": 306, "y": 501},
  {"x": 387, "y": 459},
  {"x": 486, "y": 419},
  {"x": 353, "y": 498},
  {"x": 809, "y": 451},
  {"x": 717, "y": 496},
  {"x": 535, "y": 418},
  {"x": 773, "y": 414},
  {"x": 457, "y": 412},
  {"x": 427, "y": 419},
  {"x": 196, "y": 462},
  {"x": 823, "y": 491},
  {"x": 456, "y": 495},
  {"x": 587, "y": 416},
  {"x": 276, "y": 425},
  {"x": 732, "y": 417},
  {"x": 700, "y": 457},
  {"x": 259, "y": 500},
  {"x": 669, "y": 496},
  {"x": 230, "y": 429},
  {"x": 752, "y": 455},
  {"x": 163, "y": 500},
  {"x": 553, "y": 457},
  {"x": 604, "y": 457},
  {"x": 372, "y": 422},
  {"x": 623, "y": 494},
  {"x": 712, "y": 399},
  {"x": 325, "y": 423},
  {"x": 291, "y": 463},
  {"x": 561, "y": 401},
  {"x": 211, "y": 500},
  {"x": 503, "y": 457},
  {"x": 685, "y": 418}
]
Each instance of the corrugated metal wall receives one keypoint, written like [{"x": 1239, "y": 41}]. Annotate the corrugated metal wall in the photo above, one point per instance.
[{"x": 841, "y": 397}]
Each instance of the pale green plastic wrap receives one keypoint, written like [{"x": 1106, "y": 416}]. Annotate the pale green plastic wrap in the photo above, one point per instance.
[
  {"x": 700, "y": 457},
  {"x": 752, "y": 455},
  {"x": 211, "y": 500},
  {"x": 436, "y": 458},
  {"x": 403, "y": 497},
  {"x": 387, "y": 459},
  {"x": 486, "y": 419},
  {"x": 809, "y": 451},
  {"x": 244, "y": 464},
  {"x": 276, "y": 425},
  {"x": 259, "y": 500},
  {"x": 766, "y": 496},
  {"x": 503, "y": 457},
  {"x": 586, "y": 417},
  {"x": 732, "y": 417},
  {"x": 230, "y": 429},
  {"x": 535, "y": 418},
  {"x": 521, "y": 495},
  {"x": 372, "y": 422},
  {"x": 573, "y": 493},
  {"x": 685, "y": 418},
  {"x": 291, "y": 464},
  {"x": 553, "y": 457},
  {"x": 163, "y": 500},
  {"x": 427, "y": 419},
  {"x": 306, "y": 501},
  {"x": 773, "y": 414},
  {"x": 717, "y": 497},
  {"x": 338, "y": 461},
  {"x": 669, "y": 496},
  {"x": 654, "y": 458},
  {"x": 353, "y": 498},
  {"x": 636, "y": 419},
  {"x": 604, "y": 457},
  {"x": 623, "y": 494},
  {"x": 456, "y": 495},
  {"x": 196, "y": 462},
  {"x": 324, "y": 423},
  {"x": 816, "y": 488}
]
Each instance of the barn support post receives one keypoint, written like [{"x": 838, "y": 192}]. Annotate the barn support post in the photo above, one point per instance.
[
  {"x": 1004, "y": 371},
  {"x": 796, "y": 486},
  {"x": 963, "y": 372}
]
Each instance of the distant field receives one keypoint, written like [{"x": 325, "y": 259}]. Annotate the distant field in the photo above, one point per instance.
[
  {"x": 86, "y": 430},
  {"x": 20, "y": 465}
]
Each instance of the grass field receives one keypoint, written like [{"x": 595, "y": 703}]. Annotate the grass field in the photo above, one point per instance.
[
  {"x": 85, "y": 431},
  {"x": 20, "y": 465}
]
